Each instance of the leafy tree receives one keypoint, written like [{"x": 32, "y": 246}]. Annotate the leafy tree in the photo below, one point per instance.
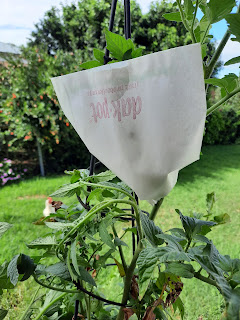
[{"x": 29, "y": 108}]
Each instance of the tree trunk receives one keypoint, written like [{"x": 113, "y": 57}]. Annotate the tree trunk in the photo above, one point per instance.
[{"x": 40, "y": 158}]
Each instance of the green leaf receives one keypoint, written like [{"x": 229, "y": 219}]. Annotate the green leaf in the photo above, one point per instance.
[
  {"x": 118, "y": 45},
  {"x": 66, "y": 190},
  {"x": 173, "y": 16},
  {"x": 74, "y": 257},
  {"x": 219, "y": 83},
  {"x": 233, "y": 20},
  {"x": 50, "y": 296},
  {"x": 26, "y": 266},
  {"x": 12, "y": 270},
  {"x": 150, "y": 257},
  {"x": 75, "y": 177},
  {"x": 188, "y": 9},
  {"x": 3, "y": 314},
  {"x": 150, "y": 230},
  {"x": 133, "y": 317},
  {"x": 104, "y": 176},
  {"x": 217, "y": 10},
  {"x": 99, "y": 55},
  {"x": 105, "y": 236},
  {"x": 222, "y": 218},
  {"x": 4, "y": 226},
  {"x": 180, "y": 269},
  {"x": 233, "y": 305},
  {"x": 211, "y": 197},
  {"x": 127, "y": 55},
  {"x": 178, "y": 304},
  {"x": 118, "y": 242},
  {"x": 193, "y": 226},
  {"x": 137, "y": 53},
  {"x": 42, "y": 243},
  {"x": 57, "y": 270},
  {"x": 231, "y": 80},
  {"x": 96, "y": 195},
  {"x": 232, "y": 61},
  {"x": 59, "y": 225},
  {"x": 90, "y": 64},
  {"x": 5, "y": 282},
  {"x": 85, "y": 276}
]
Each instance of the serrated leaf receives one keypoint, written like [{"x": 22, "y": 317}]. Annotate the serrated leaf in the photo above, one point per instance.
[
  {"x": 217, "y": 10},
  {"x": 218, "y": 83},
  {"x": 232, "y": 61},
  {"x": 42, "y": 243},
  {"x": 233, "y": 20},
  {"x": 4, "y": 226},
  {"x": 66, "y": 190},
  {"x": 105, "y": 176},
  {"x": 99, "y": 55},
  {"x": 231, "y": 80},
  {"x": 5, "y": 282},
  {"x": 3, "y": 314},
  {"x": 74, "y": 257},
  {"x": 180, "y": 269},
  {"x": 58, "y": 270},
  {"x": 105, "y": 236},
  {"x": 12, "y": 270},
  {"x": 59, "y": 225},
  {"x": 193, "y": 226},
  {"x": 178, "y": 304},
  {"x": 118, "y": 45},
  {"x": 150, "y": 230},
  {"x": 173, "y": 16},
  {"x": 90, "y": 64}
]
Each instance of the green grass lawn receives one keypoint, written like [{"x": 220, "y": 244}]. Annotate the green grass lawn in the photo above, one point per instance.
[{"x": 218, "y": 170}]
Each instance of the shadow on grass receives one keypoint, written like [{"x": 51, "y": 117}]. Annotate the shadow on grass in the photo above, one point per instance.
[{"x": 213, "y": 161}]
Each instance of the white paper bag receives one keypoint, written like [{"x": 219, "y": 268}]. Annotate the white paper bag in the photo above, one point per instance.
[{"x": 142, "y": 118}]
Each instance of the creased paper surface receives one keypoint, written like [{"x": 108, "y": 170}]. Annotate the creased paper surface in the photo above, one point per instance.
[{"x": 142, "y": 118}]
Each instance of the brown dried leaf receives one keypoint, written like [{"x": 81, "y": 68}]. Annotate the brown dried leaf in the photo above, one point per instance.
[
  {"x": 149, "y": 315},
  {"x": 128, "y": 313},
  {"x": 57, "y": 204}
]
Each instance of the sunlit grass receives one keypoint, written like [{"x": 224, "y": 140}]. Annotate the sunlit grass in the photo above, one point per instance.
[{"x": 218, "y": 170}]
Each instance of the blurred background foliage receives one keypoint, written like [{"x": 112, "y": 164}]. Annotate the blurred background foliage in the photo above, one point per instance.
[{"x": 29, "y": 111}]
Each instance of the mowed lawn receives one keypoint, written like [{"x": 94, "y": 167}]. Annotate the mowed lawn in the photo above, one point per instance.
[{"x": 218, "y": 170}]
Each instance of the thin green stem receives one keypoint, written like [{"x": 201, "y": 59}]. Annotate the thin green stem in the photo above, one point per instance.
[
  {"x": 95, "y": 210},
  {"x": 90, "y": 184},
  {"x": 222, "y": 101},
  {"x": 155, "y": 209},
  {"x": 49, "y": 305},
  {"x": 30, "y": 305},
  {"x": 128, "y": 280},
  {"x": 205, "y": 279},
  {"x": 120, "y": 251},
  {"x": 205, "y": 33},
  {"x": 185, "y": 23},
  {"x": 194, "y": 17}
]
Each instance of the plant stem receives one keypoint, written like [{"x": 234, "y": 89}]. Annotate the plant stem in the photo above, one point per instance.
[
  {"x": 31, "y": 303},
  {"x": 223, "y": 100},
  {"x": 120, "y": 251},
  {"x": 49, "y": 305},
  {"x": 128, "y": 280},
  {"x": 81, "y": 289},
  {"x": 155, "y": 209},
  {"x": 185, "y": 22},
  {"x": 188, "y": 245},
  {"x": 194, "y": 18},
  {"x": 197, "y": 275},
  {"x": 96, "y": 209}
]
